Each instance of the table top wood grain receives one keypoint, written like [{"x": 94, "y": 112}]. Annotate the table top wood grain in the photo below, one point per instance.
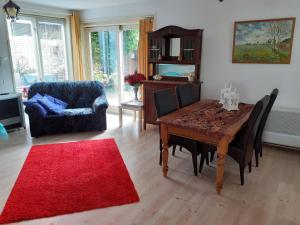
[{"x": 209, "y": 118}]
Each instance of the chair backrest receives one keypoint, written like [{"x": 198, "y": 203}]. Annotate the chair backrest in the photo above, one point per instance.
[
  {"x": 248, "y": 132},
  {"x": 186, "y": 94},
  {"x": 265, "y": 100},
  {"x": 165, "y": 102},
  {"x": 265, "y": 116}
]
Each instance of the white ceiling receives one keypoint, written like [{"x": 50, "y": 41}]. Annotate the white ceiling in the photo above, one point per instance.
[{"x": 80, "y": 4}]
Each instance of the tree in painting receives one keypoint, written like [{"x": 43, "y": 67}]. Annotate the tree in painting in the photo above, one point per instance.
[{"x": 267, "y": 41}]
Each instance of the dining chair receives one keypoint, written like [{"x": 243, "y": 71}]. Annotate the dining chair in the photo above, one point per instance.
[
  {"x": 187, "y": 94},
  {"x": 165, "y": 103},
  {"x": 241, "y": 148},
  {"x": 262, "y": 124}
]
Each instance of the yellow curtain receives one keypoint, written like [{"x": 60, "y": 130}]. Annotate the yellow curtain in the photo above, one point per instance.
[
  {"x": 146, "y": 25},
  {"x": 76, "y": 46}
]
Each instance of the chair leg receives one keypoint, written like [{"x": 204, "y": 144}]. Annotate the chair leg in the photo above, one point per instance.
[
  {"x": 180, "y": 149},
  {"x": 250, "y": 166},
  {"x": 260, "y": 151},
  {"x": 160, "y": 151},
  {"x": 242, "y": 174},
  {"x": 174, "y": 149},
  {"x": 202, "y": 159},
  {"x": 212, "y": 155},
  {"x": 207, "y": 159},
  {"x": 194, "y": 157},
  {"x": 256, "y": 158}
]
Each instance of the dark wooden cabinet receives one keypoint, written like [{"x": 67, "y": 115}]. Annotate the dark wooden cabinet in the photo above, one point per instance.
[
  {"x": 189, "y": 49},
  {"x": 150, "y": 86},
  {"x": 161, "y": 51}
]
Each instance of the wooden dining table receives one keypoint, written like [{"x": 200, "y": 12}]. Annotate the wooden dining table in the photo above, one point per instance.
[{"x": 205, "y": 121}]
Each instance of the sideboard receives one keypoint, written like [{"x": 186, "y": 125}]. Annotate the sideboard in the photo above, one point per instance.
[{"x": 150, "y": 86}]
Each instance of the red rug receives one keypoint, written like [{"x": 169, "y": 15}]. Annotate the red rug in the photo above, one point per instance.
[{"x": 65, "y": 178}]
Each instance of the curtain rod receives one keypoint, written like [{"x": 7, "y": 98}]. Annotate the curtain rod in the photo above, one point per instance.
[
  {"x": 114, "y": 21},
  {"x": 45, "y": 14}
]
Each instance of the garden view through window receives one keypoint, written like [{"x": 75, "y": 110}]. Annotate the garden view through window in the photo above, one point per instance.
[
  {"x": 113, "y": 56},
  {"x": 38, "y": 50}
]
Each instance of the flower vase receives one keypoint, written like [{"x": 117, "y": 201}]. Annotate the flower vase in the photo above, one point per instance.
[{"x": 136, "y": 89}]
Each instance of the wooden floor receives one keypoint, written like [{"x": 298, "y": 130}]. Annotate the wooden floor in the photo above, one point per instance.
[{"x": 271, "y": 194}]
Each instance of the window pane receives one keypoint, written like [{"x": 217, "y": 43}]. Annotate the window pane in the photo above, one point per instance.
[
  {"x": 52, "y": 43},
  {"x": 23, "y": 53},
  {"x": 130, "y": 46},
  {"x": 104, "y": 63}
]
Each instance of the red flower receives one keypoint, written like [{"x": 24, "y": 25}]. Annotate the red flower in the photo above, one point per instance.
[{"x": 134, "y": 79}]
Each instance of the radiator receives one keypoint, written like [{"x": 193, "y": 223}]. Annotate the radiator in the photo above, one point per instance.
[{"x": 283, "y": 128}]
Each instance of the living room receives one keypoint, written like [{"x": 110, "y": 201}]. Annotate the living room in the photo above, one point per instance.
[{"x": 93, "y": 94}]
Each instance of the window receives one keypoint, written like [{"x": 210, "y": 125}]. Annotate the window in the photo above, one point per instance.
[
  {"x": 38, "y": 50},
  {"x": 113, "y": 55},
  {"x": 130, "y": 64}
]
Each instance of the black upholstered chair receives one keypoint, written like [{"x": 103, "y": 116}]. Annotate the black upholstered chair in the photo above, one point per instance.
[
  {"x": 165, "y": 103},
  {"x": 241, "y": 148},
  {"x": 262, "y": 124},
  {"x": 186, "y": 94},
  {"x": 265, "y": 102}
]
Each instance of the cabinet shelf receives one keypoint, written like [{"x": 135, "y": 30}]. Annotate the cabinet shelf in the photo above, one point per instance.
[
  {"x": 183, "y": 62},
  {"x": 166, "y": 46}
]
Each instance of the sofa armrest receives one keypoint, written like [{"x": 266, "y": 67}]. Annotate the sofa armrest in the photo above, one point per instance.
[
  {"x": 100, "y": 103},
  {"x": 36, "y": 111}
]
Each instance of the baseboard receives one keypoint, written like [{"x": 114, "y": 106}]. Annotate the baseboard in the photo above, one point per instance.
[{"x": 284, "y": 140}]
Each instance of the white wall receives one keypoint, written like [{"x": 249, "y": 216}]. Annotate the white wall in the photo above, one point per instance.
[{"x": 252, "y": 80}]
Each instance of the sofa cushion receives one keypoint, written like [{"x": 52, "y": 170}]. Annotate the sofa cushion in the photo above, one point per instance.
[
  {"x": 33, "y": 104},
  {"x": 33, "y": 99},
  {"x": 77, "y": 111},
  {"x": 57, "y": 101},
  {"x": 53, "y": 105}
]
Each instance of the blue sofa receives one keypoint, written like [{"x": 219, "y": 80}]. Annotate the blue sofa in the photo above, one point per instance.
[{"x": 86, "y": 109}]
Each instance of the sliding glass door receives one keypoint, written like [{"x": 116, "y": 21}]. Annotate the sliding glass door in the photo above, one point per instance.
[
  {"x": 113, "y": 54},
  {"x": 105, "y": 61},
  {"x": 38, "y": 50}
]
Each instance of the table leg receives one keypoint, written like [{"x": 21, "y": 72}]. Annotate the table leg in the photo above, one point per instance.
[
  {"x": 222, "y": 151},
  {"x": 165, "y": 154},
  {"x": 134, "y": 115},
  {"x": 140, "y": 120},
  {"x": 120, "y": 116}
]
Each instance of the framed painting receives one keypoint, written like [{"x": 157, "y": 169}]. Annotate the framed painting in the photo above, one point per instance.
[{"x": 263, "y": 41}]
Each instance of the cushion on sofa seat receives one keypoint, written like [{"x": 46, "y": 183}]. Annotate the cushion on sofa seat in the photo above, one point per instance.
[
  {"x": 77, "y": 111},
  {"x": 52, "y": 105}
]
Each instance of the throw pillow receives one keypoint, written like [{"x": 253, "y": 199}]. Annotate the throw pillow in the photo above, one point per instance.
[
  {"x": 57, "y": 101},
  {"x": 33, "y": 102},
  {"x": 33, "y": 99},
  {"x": 53, "y": 105}
]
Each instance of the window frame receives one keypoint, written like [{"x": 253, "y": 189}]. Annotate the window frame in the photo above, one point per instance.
[
  {"x": 35, "y": 19},
  {"x": 88, "y": 67}
]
